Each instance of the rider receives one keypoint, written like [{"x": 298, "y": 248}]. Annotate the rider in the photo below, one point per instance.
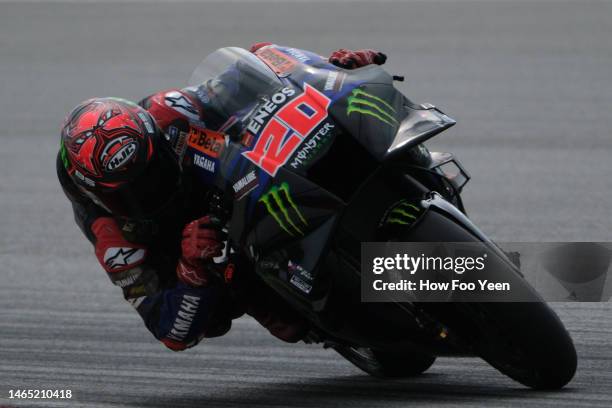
[{"x": 155, "y": 231}]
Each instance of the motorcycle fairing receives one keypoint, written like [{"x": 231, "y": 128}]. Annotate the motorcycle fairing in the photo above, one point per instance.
[{"x": 281, "y": 218}]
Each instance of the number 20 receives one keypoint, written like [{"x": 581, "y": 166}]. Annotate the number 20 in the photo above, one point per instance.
[{"x": 292, "y": 122}]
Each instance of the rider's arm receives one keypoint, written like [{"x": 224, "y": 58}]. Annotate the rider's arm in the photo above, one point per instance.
[{"x": 176, "y": 314}]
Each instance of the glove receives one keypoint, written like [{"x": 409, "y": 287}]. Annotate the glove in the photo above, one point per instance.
[
  {"x": 356, "y": 59},
  {"x": 202, "y": 241},
  {"x": 258, "y": 45}
]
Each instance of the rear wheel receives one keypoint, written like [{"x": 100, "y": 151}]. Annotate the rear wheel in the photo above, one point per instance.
[{"x": 386, "y": 364}]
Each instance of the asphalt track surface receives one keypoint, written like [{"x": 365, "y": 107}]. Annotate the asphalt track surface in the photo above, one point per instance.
[{"x": 530, "y": 83}]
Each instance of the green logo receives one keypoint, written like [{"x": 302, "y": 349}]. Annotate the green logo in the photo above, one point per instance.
[
  {"x": 64, "y": 155},
  {"x": 281, "y": 206},
  {"x": 367, "y": 104},
  {"x": 403, "y": 213}
]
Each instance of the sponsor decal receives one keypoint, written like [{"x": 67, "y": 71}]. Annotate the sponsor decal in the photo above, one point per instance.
[
  {"x": 368, "y": 104},
  {"x": 127, "y": 278},
  {"x": 209, "y": 142},
  {"x": 403, "y": 212},
  {"x": 115, "y": 258},
  {"x": 280, "y": 205},
  {"x": 289, "y": 126},
  {"x": 334, "y": 81},
  {"x": 312, "y": 146},
  {"x": 146, "y": 121},
  {"x": 266, "y": 110},
  {"x": 297, "y": 54},
  {"x": 178, "y": 140},
  {"x": 300, "y": 277},
  {"x": 245, "y": 185},
  {"x": 184, "y": 319},
  {"x": 204, "y": 163},
  {"x": 296, "y": 281},
  {"x": 182, "y": 104},
  {"x": 277, "y": 60},
  {"x": 118, "y": 152}
]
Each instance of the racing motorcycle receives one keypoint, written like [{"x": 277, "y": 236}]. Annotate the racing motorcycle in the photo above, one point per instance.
[{"x": 313, "y": 160}]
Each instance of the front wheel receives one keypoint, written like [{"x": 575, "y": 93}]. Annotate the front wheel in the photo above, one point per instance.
[
  {"x": 385, "y": 364},
  {"x": 525, "y": 341}
]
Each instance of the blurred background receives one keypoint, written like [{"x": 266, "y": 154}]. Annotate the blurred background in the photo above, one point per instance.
[{"x": 529, "y": 82}]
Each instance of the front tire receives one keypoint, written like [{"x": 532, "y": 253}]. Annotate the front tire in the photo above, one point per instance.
[{"x": 525, "y": 341}]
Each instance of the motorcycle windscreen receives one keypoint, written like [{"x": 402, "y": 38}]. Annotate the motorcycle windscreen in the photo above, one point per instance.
[{"x": 230, "y": 81}]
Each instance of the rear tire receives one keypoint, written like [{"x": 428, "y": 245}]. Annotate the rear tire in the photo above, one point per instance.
[{"x": 383, "y": 364}]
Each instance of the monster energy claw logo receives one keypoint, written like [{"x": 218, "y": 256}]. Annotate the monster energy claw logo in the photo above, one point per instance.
[
  {"x": 280, "y": 205},
  {"x": 367, "y": 104},
  {"x": 64, "y": 155},
  {"x": 403, "y": 213}
]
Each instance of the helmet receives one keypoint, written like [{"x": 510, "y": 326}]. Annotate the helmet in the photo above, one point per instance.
[{"x": 116, "y": 154}]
